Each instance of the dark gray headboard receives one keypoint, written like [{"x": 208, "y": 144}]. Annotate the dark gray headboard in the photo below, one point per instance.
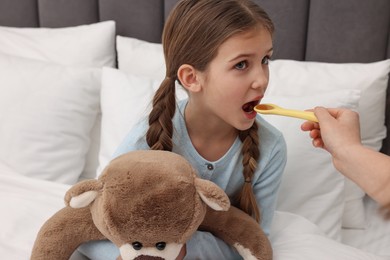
[{"x": 314, "y": 30}]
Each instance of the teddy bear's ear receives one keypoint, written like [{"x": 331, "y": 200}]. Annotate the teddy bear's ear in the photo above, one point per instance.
[
  {"x": 212, "y": 195},
  {"x": 83, "y": 193}
]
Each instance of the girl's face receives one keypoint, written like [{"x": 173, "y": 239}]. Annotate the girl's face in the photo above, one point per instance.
[{"x": 236, "y": 79}]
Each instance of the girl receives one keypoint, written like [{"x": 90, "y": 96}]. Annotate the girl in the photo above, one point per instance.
[{"x": 218, "y": 50}]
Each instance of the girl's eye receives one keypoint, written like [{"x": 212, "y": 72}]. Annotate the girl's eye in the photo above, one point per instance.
[
  {"x": 265, "y": 60},
  {"x": 241, "y": 65}
]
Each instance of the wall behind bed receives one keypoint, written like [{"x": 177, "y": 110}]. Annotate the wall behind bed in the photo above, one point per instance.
[{"x": 311, "y": 30}]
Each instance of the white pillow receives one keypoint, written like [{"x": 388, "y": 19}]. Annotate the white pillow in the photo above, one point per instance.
[
  {"x": 297, "y": 78},
  {"x": 311, "y": 186},
  {"x": 140, "y": 58},
  {"x": 354, "y": 216},
  {"x": 84, "y": 45},
  {"x": 125, "y": 99},
  {"x": 47, "y": 112}
]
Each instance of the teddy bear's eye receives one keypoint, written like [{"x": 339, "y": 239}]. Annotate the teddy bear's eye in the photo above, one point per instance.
[
  {"x": 137, "y": 245},
  {"x": 161, "y": 245}
]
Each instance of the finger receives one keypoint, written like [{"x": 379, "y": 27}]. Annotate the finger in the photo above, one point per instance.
[
  {"x": 315, "y": 133},
  {"x": 318, "y": 143},
  {"x": 309, "y": 125},
  {"x": 326, "y": 114}
]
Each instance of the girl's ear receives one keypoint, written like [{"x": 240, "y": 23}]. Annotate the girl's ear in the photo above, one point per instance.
[{"x": 189, "y": 78}]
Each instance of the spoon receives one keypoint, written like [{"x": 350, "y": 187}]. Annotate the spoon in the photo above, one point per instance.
[{"x": 276, "y": 110}]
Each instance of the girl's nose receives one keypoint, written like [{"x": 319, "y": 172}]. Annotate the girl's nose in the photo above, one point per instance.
[{"x": 261, "y": 78}]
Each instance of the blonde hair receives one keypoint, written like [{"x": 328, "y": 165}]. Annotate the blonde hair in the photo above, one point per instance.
[{"x": 192, "y": 34}]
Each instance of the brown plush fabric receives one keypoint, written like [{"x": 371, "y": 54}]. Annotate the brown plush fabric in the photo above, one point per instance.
[
  {"x": 155, "y": 201},
  {"x": 63, "y": 233},
  {"x": 242, "y": 230},
  {"x": 147, "y": 197}
]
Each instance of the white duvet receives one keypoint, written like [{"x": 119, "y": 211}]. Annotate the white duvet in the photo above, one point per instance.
[{"x": 25, "y": 204}]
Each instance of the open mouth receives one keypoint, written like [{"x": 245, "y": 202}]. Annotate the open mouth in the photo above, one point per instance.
[{"x": 248, "y": 107}]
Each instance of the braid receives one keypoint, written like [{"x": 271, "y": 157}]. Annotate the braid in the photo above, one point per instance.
[
  {"x": 251, "y": 154},
  {"x": 159, "y": 134},
  {"x": 385, "y": 210}
]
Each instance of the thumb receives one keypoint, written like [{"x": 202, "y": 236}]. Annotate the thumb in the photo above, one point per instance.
[{"x": 323, "y": 114}]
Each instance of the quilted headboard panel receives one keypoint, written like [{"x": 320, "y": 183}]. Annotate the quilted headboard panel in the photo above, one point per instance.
[
  {"x": 316, "y": 30},
  {"x": 312, "y": 30}
]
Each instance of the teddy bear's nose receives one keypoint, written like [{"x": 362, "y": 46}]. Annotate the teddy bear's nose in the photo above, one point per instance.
[
  {"x": 146, "y": 257},
  {"x": 161, "y": 245},
  {"x": 137, "y": 245}
]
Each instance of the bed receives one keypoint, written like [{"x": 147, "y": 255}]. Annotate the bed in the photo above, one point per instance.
[{"x": 76, "y": 75}]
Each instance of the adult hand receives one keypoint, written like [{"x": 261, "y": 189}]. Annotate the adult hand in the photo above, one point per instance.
[{"x": 336, "y": 130}]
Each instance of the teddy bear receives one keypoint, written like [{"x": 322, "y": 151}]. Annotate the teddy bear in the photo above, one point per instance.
[{"x": 148, "y": 203}]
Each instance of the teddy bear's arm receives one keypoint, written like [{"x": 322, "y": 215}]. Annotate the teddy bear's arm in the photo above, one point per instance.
[
  {"x": 60, "y": 236},
  {"x": 239, "y": 230}
]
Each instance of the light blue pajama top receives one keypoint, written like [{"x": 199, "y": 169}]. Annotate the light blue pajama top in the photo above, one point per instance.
[{"x": 225, "y": 172}]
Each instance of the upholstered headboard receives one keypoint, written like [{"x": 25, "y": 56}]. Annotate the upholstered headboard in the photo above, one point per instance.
[{"x": 311, "y": 30}]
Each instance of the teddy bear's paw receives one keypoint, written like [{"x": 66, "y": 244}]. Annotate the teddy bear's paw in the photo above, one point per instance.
[{"x": 245, "y": 252}]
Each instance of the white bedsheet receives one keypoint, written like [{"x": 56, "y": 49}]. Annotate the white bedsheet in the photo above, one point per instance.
[
  {"x": 295, "y": 238},
  {"x": 375, "y": 237},
  {"x": 25, "y": 204}
]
